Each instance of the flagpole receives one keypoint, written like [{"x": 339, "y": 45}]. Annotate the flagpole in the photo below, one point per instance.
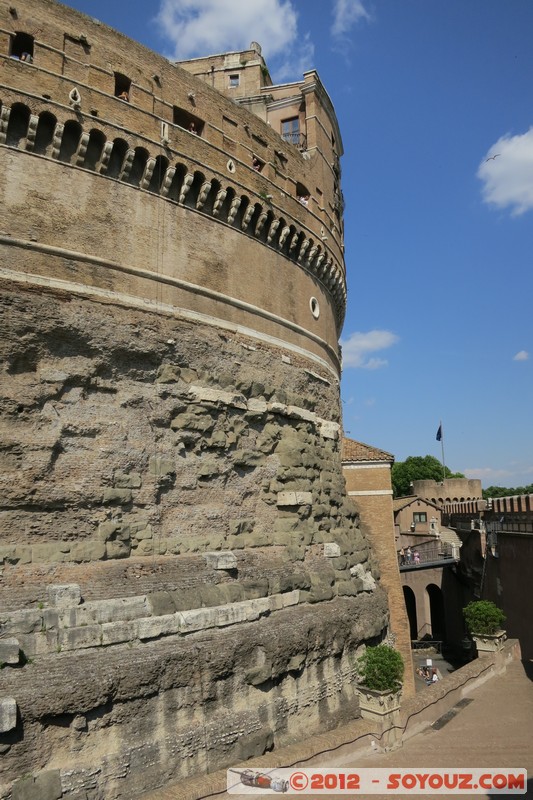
[{"x": 442, "y": 446}]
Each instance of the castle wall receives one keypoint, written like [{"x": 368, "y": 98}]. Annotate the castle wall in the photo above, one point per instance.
[
  {"x": 134, "y": 444},
  {"x": 451, "y": 490},
  {"x": 184, "y": 583},
  {"x": 370, "y": 487}
]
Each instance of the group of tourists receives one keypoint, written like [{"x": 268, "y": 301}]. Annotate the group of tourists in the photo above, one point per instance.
[
  {"x": 409, "y": 557},
  {"x": 428, "y": 674}
]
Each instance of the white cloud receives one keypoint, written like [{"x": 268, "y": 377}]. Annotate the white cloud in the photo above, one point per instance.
[
  {"x": 522, "y": 355},
  {"x": 346, "y": 14},
  {"x": 486, "y": 474},
  {"x": 203, "y": 27},
  {"x": 357, "y": 347},
  {"x": 507, "y": 173}
]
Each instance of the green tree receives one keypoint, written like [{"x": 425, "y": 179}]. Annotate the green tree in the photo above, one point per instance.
[
  {"x": 417, "y": 468},
  {"x": 506, "y": 491}
]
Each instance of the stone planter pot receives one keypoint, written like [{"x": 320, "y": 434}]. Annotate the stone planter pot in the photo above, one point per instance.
[
  {"x": 489, "y": 643},
  {"x": 376, "y": 705}
]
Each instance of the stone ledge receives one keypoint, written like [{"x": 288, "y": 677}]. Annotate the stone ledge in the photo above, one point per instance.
[{"x": 88, "y": 626}]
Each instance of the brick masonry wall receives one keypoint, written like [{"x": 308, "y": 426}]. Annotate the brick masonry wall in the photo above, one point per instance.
[{"x": 377, "y": 522}]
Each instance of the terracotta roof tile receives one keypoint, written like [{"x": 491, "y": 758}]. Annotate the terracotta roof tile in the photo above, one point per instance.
[
  {"x": 357, "y": 451},
  {"x": 401, "y": 502}
]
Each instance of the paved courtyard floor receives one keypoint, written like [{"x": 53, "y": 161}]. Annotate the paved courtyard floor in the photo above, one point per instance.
[{"x": 495, "y": 730}]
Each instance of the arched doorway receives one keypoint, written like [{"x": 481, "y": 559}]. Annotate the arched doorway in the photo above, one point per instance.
[
  {"x": 436, "y": 612},
  {"x": 410, "y": 605}
]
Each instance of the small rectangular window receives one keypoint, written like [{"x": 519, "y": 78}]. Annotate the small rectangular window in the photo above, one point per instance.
[
  {"x": 122, "y": 87},
  {"x": 420, "y": 516},
  {"x": 22, "y": 47},
  {"x": 234, "y": 81},
  {"x": 187, "y": 120}
]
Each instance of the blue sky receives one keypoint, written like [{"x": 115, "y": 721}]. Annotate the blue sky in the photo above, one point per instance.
[{"x": 439, "y": 240}]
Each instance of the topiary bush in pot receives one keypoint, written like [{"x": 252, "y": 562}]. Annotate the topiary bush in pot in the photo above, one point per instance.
[
  {"x": 381, "y": 668},
  {"x": 483, "y": 617}
]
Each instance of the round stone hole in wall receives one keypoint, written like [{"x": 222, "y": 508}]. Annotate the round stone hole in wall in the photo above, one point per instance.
[
  {"x": 315, "y": 308},
  {"x": 231, "y": 166}
]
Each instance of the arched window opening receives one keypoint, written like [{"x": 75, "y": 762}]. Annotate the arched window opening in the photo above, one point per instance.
[
  {"x": 161, "y": 166},
  {"x": 193, "y": 193},
  {"x": 208, "y": 206},
  {"x": 295, "y": 251},
  {"x": 17, "y": 127},
  {"x": 96, "y": 144},
  {"x": 70, "y": 140},
  {"x": 251, "y": 217},
  {"x": 122, "y": 87},
  {"x": 116, "y": 159},
  {"x": 45, "y": 133},
  {"x": 177, "y": 182},
  {"x": 236, "y": 216},
  {"x": 287, "y": 237},
  {"x": 138, "y": 166},
  {"x": 263, "y": 233},
  {"x": 21, "y": 47}
]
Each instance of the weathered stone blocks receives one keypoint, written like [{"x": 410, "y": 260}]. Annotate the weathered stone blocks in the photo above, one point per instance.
[
  {"x": 9, "y": 651},
  {"x": 224, "y": 560},
  {"x": 43, "y": 786},
  {"x": 8, "y": 714},
  {"x": 64, "y": 595},
  {"x": 331, "y": 550},
  {"x": 294, "y": 499}
]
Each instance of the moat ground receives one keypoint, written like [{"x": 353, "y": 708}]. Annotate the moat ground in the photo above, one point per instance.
[{"x": 495, "y": 730}]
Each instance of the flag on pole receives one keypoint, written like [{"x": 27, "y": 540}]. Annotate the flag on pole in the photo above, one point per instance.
[{"x": 439, "y": 433}]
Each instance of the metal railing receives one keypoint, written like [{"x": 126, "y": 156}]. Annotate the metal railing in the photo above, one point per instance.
[
  {"x": 426, "y": 553},
  {"x": 298, "y": 139}
]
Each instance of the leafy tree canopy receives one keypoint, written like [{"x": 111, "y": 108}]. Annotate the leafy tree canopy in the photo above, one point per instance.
[
  {"x": 417, "y": 468},
  {"x": 505, "y": 491}
]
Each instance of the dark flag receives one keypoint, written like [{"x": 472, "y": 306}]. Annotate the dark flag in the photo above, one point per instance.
[{"x": 439, "y": 433}]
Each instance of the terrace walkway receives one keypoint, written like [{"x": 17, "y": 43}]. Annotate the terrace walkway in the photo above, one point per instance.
[{"x": 494, "y": 730}]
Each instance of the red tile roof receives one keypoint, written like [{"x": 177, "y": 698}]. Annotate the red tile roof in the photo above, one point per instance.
[{"x": 357, "y": 451}]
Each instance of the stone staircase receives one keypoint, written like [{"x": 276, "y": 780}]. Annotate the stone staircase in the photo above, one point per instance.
[{"x": 452, "y": 541}]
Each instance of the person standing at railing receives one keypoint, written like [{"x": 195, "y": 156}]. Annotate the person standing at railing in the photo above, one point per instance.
[
  {"x": 409, "y": 555},
  {"x": 402, "y": 557},
  {"x": 416, "y": 555}
]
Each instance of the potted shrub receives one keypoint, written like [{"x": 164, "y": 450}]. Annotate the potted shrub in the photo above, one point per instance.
[
  {"x": 484, "y": 622},
  {"x": 380, "y": 671}
]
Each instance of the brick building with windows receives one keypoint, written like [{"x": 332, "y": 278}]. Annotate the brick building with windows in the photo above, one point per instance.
[{"x": 367, "y": 471}]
